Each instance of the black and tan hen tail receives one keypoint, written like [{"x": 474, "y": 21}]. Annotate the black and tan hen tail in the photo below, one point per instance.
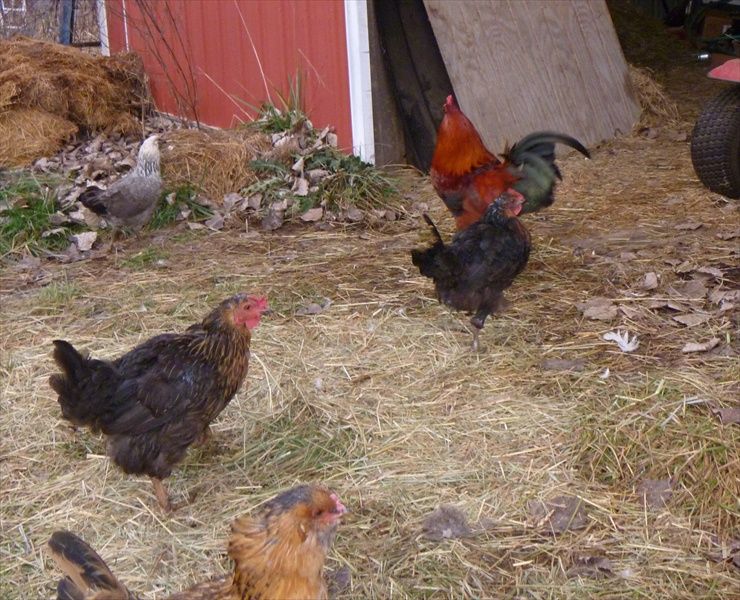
[
  {"x": 83, "y": 386},
  {"x": 534, "y": 157},
  {"x": 92, "y": 198},
  {"x": 87, "y": 577},
  {"x": 433, "y": 262},
  {"x": 433, "y": 227}
]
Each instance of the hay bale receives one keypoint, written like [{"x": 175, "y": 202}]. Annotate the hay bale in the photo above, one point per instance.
[
  {"x": 215, "y": 162},
  {"x": 27, "y": 134},
  {"x": 656, "y": 105},
  {"x": 95, "y": 93}
]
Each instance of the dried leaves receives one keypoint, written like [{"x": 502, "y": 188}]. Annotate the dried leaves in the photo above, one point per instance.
[
  {"x": 655, "y": 493},
  {"x": 728, "y": 416},
  {"x": 598, "y": 308},
  {"x": 560, "y": 514},
  {"x": 447, "y": 522},
  {"x": 700, "y": 347}
]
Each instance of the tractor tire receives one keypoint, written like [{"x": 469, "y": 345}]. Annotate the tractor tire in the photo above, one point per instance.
[{"x": 715, "y": 144}]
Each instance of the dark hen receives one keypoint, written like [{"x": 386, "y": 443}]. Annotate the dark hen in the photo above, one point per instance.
[
  {"x": 159, "y": 398},
  {"x": 471, "y": 272}
]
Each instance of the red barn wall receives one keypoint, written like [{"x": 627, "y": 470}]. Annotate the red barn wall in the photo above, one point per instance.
[{"x": 201, "y": 61}]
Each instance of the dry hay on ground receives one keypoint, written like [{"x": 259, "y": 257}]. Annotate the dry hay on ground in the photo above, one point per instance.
[
  {"x": 656, "y": 105},
  {"x": 213, "y": 161},
  {"x": 92, "y": 93},
  {"x": 380, "y": 397},
  {"x": 28, "y": 133}
]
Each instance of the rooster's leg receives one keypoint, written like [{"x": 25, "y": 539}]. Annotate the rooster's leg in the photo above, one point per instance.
[{"x": 161, "y": 493}]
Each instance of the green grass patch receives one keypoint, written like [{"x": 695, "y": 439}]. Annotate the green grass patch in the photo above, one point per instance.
[
  {"x": 655, "y": 431},
  {"x": 26, "y": 206},
  {"x": 350, "y": 182},
  {"x": 59, "y": 293},
  {"x": 145, "y": 258},
  {"x": 168, "y": 211}
]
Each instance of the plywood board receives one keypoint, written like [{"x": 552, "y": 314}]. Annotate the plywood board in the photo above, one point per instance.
[{"x": 519, "y": 66}]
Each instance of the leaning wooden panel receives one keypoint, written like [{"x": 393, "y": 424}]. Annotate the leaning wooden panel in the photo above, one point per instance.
[{"x": 523, "y": 65}]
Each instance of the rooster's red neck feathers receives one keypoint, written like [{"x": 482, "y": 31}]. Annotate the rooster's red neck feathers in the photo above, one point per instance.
[{"x": 459, "y": 148}]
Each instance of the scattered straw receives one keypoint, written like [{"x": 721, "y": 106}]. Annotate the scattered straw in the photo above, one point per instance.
[
  {"x": 28, "y": 133},
  {"x": 215, "y": 162},
  {"x": 656, "y": 105}
]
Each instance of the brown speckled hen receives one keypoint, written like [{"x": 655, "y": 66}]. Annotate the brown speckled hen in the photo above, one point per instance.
[
  {"x": 278, "y": 554},
  {"x": 159, "y": 398}
]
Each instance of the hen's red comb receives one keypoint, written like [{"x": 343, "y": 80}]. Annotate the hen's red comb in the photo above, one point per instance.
[{"x": 260, "y": 302}]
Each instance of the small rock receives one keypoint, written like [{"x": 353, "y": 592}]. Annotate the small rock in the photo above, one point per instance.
[
  {"x": 231, "y": 200},
  {"x": 272, "y": 220},
  {"x": 316, "y": 175},
  {"x": 300, "y": 186},
  {"x": 215, "y": 223}
]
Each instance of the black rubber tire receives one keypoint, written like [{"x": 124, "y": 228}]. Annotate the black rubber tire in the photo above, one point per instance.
[{"x": 715, "y": 144}]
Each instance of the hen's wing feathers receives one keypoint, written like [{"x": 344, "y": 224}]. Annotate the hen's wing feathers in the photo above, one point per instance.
[
  {"x": 87, "y": 575},
  {"x": 128, "y": 198},
  {"x": 157, "y": 385},
  {"x": 124, "y": 199}
]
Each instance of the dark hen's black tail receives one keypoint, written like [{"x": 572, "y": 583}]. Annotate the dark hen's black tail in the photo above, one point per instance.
[
  {"x": 84, "y": 386},
  {"x": 92, "y": 198},
  {"x": 534, "y": 155},
  {"x": 86, "y": 574},
  {"x": 433, "y": 261}
]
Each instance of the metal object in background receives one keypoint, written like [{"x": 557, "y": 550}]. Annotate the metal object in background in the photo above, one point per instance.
[{"x": 66, "y": 21}]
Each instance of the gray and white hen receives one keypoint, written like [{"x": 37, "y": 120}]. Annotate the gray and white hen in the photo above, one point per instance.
[{"x": 130, "y": 201}]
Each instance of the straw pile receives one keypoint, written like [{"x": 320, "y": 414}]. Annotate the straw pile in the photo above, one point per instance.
[
  {"x": 74, "y": 90},
  {"x": 656, "y": 105},
  {"x": 215, "y": 162}
]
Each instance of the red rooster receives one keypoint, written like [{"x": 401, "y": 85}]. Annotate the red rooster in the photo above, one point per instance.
[{"x": 468, "y": 177}]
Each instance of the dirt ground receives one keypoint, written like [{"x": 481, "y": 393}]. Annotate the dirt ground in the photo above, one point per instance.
[{"x": 379, "y": 397}]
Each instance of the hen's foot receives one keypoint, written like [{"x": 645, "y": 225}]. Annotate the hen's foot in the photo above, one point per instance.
[{"x": 163, "y": 497}]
